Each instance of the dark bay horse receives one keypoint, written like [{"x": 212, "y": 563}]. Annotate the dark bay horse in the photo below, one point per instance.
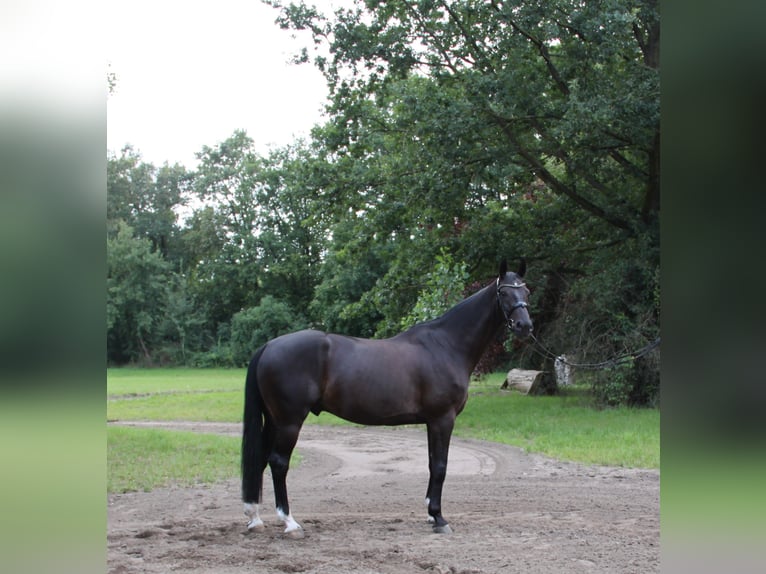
[{"x": 420, "y": 376}]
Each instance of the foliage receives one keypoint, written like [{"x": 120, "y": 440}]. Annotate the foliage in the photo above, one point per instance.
[
  {"x": 183, "y": 325},
  {"x": 444, "y": 289},
  {"x": 145, "y": 197},
  {"x": 626, "y": 320},
  {"x": 479, "y": 118},
  {"x": 533, "y": 79},
  {"x": 251, "y": 328},
  {"x": 479, "y": 130},
  {"x": 612, "y": 387},
  {"x": 136, "y": 295},
  {"x": 350, "y": 271},
  {"x": 225, "y": 230}
]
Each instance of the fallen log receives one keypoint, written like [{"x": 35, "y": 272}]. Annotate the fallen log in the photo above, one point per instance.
[{"x": 522, "y": 380}]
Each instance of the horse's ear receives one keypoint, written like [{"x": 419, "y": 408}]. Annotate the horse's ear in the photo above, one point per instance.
[
  {"x": 522, "y": 267},
  {"x": 503, "y": 268}
]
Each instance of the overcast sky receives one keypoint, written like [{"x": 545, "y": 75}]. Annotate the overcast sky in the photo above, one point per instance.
[{"x": 190, "y": 73}]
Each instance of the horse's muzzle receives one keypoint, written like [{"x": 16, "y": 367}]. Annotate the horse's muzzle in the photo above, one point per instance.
[{"x": 522, "y": 328}]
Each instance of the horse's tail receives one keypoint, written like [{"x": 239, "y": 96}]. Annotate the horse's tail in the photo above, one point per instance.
[{"x": 254, "y": 456}]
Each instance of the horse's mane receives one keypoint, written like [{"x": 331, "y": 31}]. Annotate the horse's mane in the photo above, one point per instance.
[{"x": 444, "y": 317}]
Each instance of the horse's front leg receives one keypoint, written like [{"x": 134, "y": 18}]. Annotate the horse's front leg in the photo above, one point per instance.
[{"x": 439, "y": 433}]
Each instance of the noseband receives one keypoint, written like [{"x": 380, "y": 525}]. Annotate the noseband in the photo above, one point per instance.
[{"x": 517, "y": 305}]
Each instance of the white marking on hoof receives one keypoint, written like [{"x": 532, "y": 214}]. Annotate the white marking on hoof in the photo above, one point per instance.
[
  {"x": 443, "y": 529},
  {"x": 255, "y": 523},
  {"x": 292, "y": 528},
  {"x": 431, "y": 519}
]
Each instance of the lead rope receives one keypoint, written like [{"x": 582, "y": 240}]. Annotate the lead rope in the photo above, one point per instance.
[{"x": 546, "y": 353}]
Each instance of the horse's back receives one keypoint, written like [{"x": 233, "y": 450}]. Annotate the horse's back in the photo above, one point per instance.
[{"x": 307, "y": 343}]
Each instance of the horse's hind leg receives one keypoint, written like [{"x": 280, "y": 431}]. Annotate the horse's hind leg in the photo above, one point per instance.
[
  {"x": 285, "y": 438},
  {"x": 252, "y": 509},
  {"x": 254, "y": 522}
]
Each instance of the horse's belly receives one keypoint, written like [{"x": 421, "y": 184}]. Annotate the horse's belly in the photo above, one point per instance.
[
  {"x": 369, "y": 402},
  {"x": 373, "y": 382},
  {"x": 365, "y": 414}
]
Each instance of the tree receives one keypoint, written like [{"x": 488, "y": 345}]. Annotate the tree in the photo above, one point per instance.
[
  {"x": 566, "y": 90},
  {"x": 458, "y": 131},
  {"x": 259, "y": 230},
  {"x": 146, "y": 198},
  {"x": 350, "y": 270},
  {"x": 222, "y": 235},
  {"x": 293, "y": 222},
  {"x": 137, "y": 295},
  {"x": 463, "y": 121}
]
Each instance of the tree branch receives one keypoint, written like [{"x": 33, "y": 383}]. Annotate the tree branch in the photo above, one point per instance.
[
  {"x": 553, "y": 182},
  {"x": 479, "y": 55},
  {"x": 543, "y": 50}
]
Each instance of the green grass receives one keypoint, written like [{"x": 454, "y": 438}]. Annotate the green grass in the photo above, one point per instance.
[
  {"x": 224, "y": 406},
  {"x": 175, "y": 394},
  {"x": 143, "y": 459},
  {"x": 564, "y": 427},
  {"x": 130, "y": 381}
]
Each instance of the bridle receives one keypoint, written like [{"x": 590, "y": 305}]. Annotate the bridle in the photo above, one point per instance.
[{"x": 517, "y": 305}]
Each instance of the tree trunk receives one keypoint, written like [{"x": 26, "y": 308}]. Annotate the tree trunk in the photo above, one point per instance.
[
  {"x": 147, "y": 355},
  {"x": 547, "y": 384}
]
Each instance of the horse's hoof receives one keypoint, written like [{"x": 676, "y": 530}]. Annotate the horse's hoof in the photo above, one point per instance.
[
  {"x": 444, "y": 529},
  {"x": 256, "y": 526},
  {"x": 296, "y": 534}
]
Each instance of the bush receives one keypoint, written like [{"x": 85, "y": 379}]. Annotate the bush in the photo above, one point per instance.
[
  {"x": 633, "y": 383},
  {"x": 610, "y": 308},
  {"x": 612, "y": 387},
  {"x": 251, "y": 328},
  {"x": 219, "y": 356}
]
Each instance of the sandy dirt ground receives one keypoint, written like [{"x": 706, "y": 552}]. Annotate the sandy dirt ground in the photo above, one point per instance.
[{"x": 359, "y": 494}]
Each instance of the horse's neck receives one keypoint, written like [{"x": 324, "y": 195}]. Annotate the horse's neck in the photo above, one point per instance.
[{"x": 471, "y": 326}]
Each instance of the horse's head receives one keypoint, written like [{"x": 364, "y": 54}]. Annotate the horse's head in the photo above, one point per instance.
[{"x": 513, "y": 298}]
